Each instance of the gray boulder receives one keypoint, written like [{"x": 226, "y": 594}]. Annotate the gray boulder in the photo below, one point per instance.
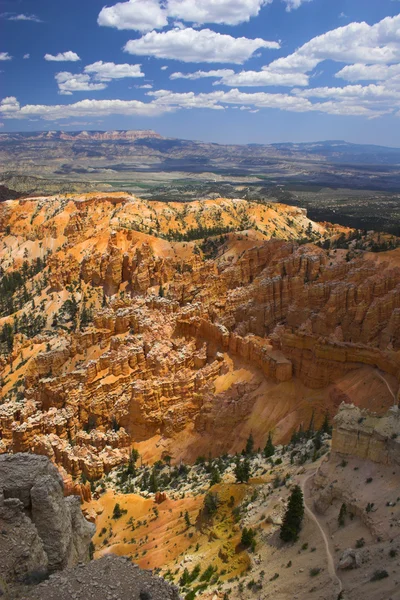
[
  {"x": 43, "y": 530},
  {"x": 350, "y": 559}
]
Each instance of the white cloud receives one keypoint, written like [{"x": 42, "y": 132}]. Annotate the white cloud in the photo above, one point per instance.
[
  {"x": 219, "y": 98},
  {"x": 62, "y": 57},
  {"x": 357, "y": 102},
  {"x": 23, "y": 17},
  {"x": 293, "y": 4},
  {"x": 360, "y": 72},
  {"x": 190, "y": 45},
  {"x": 146, "y": 86},
  {"x": 5, "y": 56},
  {"x": 26, "y": 56},
  {"x": 12, "y": 16},
  {"x": 69, "y": 83},
  {"x": 10, "y": 108},
  {"x": 146, "y": 15},
  {"x": 228, "y": 12},
  {"x": 164, "y": 67},
  {"x": 353, "y": 43},
  {"x": 229, "y": 78},
  {"x": 202, "y": 74},
  {"x": 139, "y": 15},
  {"x": 264, "y": 78},
  {"x": 1, "y": 124},
  {"x": 102, "y": 71},
  {"x": 354, "y": 91}
]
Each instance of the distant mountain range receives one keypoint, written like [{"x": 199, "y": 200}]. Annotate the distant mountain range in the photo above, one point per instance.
[{"x": 333, "y": 151}]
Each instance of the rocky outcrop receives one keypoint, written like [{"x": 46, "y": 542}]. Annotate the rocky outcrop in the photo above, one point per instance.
[
  {"x": 359, "y": 433},
  {"x": 41, "y": 530},
  {"x": 109, "y": 577}
]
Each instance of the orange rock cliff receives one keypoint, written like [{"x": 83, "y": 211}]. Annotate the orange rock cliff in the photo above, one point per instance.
[{"x": 180, "y": 328}]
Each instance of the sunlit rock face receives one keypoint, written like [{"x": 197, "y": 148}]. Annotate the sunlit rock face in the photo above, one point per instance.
[{"x": 138, "y": 322}]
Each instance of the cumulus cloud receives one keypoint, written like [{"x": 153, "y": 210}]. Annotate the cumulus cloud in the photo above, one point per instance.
[
  {"x": 69, "y": 83},
  {"x": 229, "y": 78},
  {"x": 139, "y": 15},
  {"x": 217, "y": 99},
  {"x": 164, "y": 67},
  {"x": 350, "y": 102},
  {"x": 106, "y": 71},
  {"x": 5, "y": 56},
  {"x": 146, "y": 15},
  {"x": 202, "y": 74},
  {"x": 227, "y": 12},
  {"x": 10, "y": 108},
  {"x": 353, "y": 43},
  {"x": 26, "y": 56},
  {"x": 62, "y": 57},
  {"x": 190, "y": 45},
  {"x": 369, "y": 92},
  {"x": 360, "y": 72}
]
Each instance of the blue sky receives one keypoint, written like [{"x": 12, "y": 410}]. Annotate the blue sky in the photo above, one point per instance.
[{"x": 234, "y": 71}]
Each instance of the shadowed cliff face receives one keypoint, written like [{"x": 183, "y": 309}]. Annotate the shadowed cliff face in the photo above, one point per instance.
[{"x": 182, "y": 327}]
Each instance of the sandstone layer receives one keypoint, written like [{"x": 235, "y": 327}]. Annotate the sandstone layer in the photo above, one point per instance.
[{"x": 135, "y": 322}]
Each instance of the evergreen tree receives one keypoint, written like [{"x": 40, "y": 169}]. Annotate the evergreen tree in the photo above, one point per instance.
[
  {"x": 249, "y": 449},
  {"x": 215, "y": 476},
  {"x": 153, "y": 483},
  {"x": 326, "y": 428},
  {"x": 117, "y": 512},
  {"x": 211, "y": 503},
  {"x": 293, "y": 518},
  {"x": 187, "y": 519},
  {"x": 248, "y": 537},
  {"x": 161, "y": 291},
  {"x": 269, "y": 449},
  {"x": 310, "y": 430},
  {"x": 242, "y": 470}
]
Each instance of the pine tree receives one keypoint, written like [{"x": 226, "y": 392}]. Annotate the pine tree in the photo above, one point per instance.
[
  {"x": 326, "y": 428},
  {"x": 248, "y": 537},
  {"x": 215, "y": 476},
  {"x": 117, "y": 512},
  {"x": 249, "y": 449},
  {"x": 211, "y": 503},
  {"x": 187, "y": 519},
  {"x": 242, "y": 470},
  {"x": 293, "y": 518},
  {"x": 153, "y": 483},
  {"x": 269, "y": 449},
  {"x": 310, "y": 430},
  {"x": 161, "y": 291}
]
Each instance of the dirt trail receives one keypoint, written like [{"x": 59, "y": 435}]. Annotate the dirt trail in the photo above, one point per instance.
[
  {"x": 395, "y": 398},
  {"x": 331, "y": 563}
]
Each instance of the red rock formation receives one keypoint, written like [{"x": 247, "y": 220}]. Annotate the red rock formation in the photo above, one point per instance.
[{"x": 147, "y": 365}]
